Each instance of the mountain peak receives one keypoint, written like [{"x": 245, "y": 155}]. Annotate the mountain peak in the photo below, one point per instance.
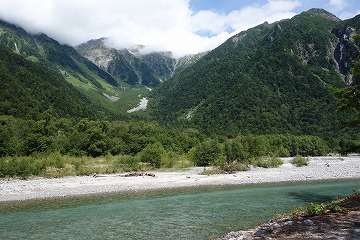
[{"x": 322, "y": 13}]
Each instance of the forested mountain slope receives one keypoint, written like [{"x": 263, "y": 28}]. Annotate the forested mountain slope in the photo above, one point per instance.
[
  {"x": 274, "y": 78},
  {"x": 100, "y": 87},
  {"x": 50, "y": 53},
  {"x": 28, "y": 89}
]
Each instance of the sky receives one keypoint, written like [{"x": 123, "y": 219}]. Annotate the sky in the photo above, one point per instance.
[{"x": 180, "y": 26}]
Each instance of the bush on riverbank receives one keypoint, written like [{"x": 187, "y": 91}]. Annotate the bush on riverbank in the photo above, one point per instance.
[
  {"x": 268, "y": 162},
  {"x": 299, "y": 161}
]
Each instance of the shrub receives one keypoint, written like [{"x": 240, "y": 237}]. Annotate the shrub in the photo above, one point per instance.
[
  {"x": 152, "y": 154},
  {"x": 20, "y": 167},
  {"x": 267, "y": 162},
  {"x": 320, "y": 208},
  {"x": 212, "y": 171},
  {"x": 299, "y": 161},
  {"x": 234, "y": 151},
  {"x": 235, "y": 167},
  {"x": 126, "y": 163},
  {"x": 205, "y": 153},
  {"x": 169, "y": 159}
]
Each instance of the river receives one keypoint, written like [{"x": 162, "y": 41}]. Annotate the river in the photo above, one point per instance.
[{"x": 194, "y": 213}]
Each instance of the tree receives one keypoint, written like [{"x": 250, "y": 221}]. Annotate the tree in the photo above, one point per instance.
[
  {"x": 206, "y": 152},
  {"x": 152, "y": 154},
  {"x": 234, "y": 151},
  {"x": 349, "y": 97}
]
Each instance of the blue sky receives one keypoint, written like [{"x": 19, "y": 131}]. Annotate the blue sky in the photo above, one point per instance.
[
  {"x": 180, "y": 26},
  {"x": 341, "y": 8}
]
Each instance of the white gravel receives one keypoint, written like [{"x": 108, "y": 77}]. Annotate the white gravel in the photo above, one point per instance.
[{"x": 319, "y": 168}]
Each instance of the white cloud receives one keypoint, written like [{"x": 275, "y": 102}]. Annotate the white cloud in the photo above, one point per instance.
[
  {"x": 160, "y": 24},
  {"x": 344, "y": 9},
  {"x": 244, "y": 18},
  {"x": 347, "y": 15},
  {"x": 339, "y": 4}
]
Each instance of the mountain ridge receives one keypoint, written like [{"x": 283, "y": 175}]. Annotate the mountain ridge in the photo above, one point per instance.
[
  {"x": 84, "y": 75},
  {"x": 28, "y": 89},
  {"x": 150, "y": 69},
  {"x": 273, "y": 78}
]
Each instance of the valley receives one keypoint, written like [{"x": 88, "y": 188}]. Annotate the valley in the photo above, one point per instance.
[{"x": 276, "y": 103}]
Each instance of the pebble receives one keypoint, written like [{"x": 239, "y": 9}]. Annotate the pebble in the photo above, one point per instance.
[
  {"x": 288, "y": 223},
  {"x": 308, "y": 222}
]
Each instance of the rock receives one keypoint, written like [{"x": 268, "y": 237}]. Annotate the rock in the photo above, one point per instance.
[
  {"x": 260, "y": 233},
  {"x": 275, "y": 225},
  {"x": 136, "y": 174},
  {"x": 290, "y": 222},
  {"x": 237, "y": 235},
  {"x": 150, "y": 174},
  {"x": 308, "y": 222}
]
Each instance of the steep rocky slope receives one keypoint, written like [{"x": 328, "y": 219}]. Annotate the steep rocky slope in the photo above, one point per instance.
[{"x": 133, "y": 65}]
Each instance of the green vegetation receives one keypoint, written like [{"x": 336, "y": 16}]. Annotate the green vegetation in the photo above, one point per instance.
[
  {"x": 62, "y": 62},
  {"x": 271, "y": 79},
  {"x": 317, "y": 209},
  {"x": 59, "y": 145},
  {"x": 299, "y": 161},
  {"x": 349, "y": 96},
  {"x": 28, "y": 89},
  {"x": 57, "y": 165},
  {"x": 268, "y": 162},
  {"x": 321, "y": 208},
  {"x": 336, "y": 205}
]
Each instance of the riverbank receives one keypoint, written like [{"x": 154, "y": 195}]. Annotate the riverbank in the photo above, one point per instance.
[
  {"x": 342, "y": 224},
  {"x": 319, "y": 168}
]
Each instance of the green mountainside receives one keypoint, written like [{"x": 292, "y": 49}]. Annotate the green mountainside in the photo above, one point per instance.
[
  {"x": 28, "y": 89},
  {"x": 273, "y": 78},
  {"x": 40, "y": 48},
  {"x": 96, "y": 84}
]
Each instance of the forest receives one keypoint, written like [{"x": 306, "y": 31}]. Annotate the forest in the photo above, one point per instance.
[{"x": 53, "y": 146}]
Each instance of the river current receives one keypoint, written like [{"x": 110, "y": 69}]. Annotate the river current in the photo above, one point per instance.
[{"x": 194, "y": 213}]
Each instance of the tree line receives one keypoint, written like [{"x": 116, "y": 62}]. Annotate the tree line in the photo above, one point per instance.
[{"x": 150, "y": 142}]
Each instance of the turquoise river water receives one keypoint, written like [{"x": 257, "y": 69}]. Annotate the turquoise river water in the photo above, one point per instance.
[{"x": 193, "y": 213}]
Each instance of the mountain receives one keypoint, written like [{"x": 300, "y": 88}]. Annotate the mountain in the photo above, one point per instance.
[
  {"x": 133, "y": 66},
  {"x": 273, "y": 78},
  {"x": 28, "y": 89},
  {"x": 50, "y": 53},
  {"x": 165, "y": 65},
  {"x": 99, "y": 87}
]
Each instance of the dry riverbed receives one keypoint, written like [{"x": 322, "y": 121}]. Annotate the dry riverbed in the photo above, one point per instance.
[{"x": 319, "y": 168}]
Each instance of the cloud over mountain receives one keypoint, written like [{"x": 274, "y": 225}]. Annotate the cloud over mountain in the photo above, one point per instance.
[{"x": 160, "y": 24}]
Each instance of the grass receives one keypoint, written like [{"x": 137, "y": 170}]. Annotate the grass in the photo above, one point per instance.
[
  {"x": 313, "y": 209},
  {"x": 267, "y": 162},
  {"x": 226, "y": 168},
  {"x": 321, "y": 208},
  {"x": 299, "y": 161},
  {"x": 56, "y": 165},
  {"x": 129, "y": 96},
  {"x": 211, "y": 171}
]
